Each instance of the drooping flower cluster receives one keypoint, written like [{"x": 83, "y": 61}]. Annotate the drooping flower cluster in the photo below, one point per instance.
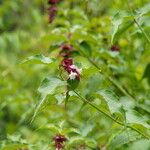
[
  {"x": 52, "y": 10},
  {"x": 67, "y": 62},
  {"x": 66, "y": 50},
  {"x": 59, "y": 141},
  {"x": 74, "y": 71}
]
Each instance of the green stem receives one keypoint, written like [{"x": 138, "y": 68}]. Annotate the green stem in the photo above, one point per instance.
[
  {"x": 123, "y": 91},
  {"x": 109, "y": 116},
  {"x": 136, "y": 22},
  {"x": 144, "y": 33},
  {"x": 114, "y": 82},
  {"x": 101, "y": 111},
  {"x": 128, "y": 126}
]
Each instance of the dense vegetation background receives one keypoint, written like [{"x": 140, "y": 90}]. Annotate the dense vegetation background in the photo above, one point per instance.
[{"x": 111, "y": 107}]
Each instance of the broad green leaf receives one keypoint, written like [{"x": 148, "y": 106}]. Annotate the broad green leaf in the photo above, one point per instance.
[
  {"x": 80, "y": 35},
  {"x": 112, "y": 100},
  {"x": 75, "y": 140},
  {"x": 39, "y": 59},
  {"x": 85, "y": 48},
  {"x": 86, "y": 129},
  {"x": 53, "y": 128},
  {"x": 72, "y": 131},
  {"x": 116, "y": 23},
  {"x": 15, "y": 147},
  {"x": 121, "y": 138},
  {"x": 133, "y": 116},
  {"x": 54, "y": 37},
  {"x": 144, "y": 107},
  {"x": 145, "y": 9},
  {"x": 142, "y": 129},
  {"x": 79, "y": 140},
  {"x": 93, "y": 83},
  {"x": 73, "y": 84},
  {"x": 47, "y": 87},
  {"x": 136, "y": 120},
  {"x": 147, "y": 73},
  {"x": 120, "y": 24}
]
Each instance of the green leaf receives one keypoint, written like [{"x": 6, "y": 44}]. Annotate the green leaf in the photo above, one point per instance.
[
  {"x": 80, "y": 35},
  {"x": 72, "y": 84},
  {"x": 93, "y": 83},
  {"x": 15, "y": 147},
  {"x": 85, "y": 48},
  {"x": 53, "y": 128},
  {"x": 86, "y": 129},
  {"x": 136, "y": 120},
  {"x": 120, "y": 24},
  {"x": 39, "y": 59},
  {"x": 121, "y": 138},
  {"x": 145, "y": 9},
  {"x": 147, "y": 73},
  {"x": 133, "y": 116},
  {"x": 75, "y": 140},
  {"x": 112, "y": 100},
  {"x": 142, "y": 129},
  {"x": 53, "y": 37},
  {"x": 47, "y": 87},
  {"x": 72, "y": 131}
]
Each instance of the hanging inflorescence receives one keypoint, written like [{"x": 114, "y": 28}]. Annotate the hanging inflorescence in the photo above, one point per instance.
[
  {"x": 59, "y": 141},
  {"x": 52, "y": 10},
  {"x": 67, "y": 63}
]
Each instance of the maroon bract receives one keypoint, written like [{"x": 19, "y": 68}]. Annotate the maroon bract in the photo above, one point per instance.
[
  {"x": 53, "y": 1},
  {"x": 60, "y": 138},
  {"x": 66, "y": 47},
  {"x": 65, "y": 54},
  {"x": 115, "y": 48},
  {"x": 74, "y": 71},
  {"x": 58, "y": 146},
  {"x": 66, "y": 50},
  {"x": 66, "y": 63},
  {"x": 52, "y": 11}
]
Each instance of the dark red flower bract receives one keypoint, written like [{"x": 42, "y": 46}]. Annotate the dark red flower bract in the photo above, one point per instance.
[
  {"x": 52, "y": 11},
  {"x": 115, "y": 48},
  {"x": 53, "y": 1}
]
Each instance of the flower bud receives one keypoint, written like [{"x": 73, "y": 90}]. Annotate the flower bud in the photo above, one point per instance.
[
  {"x": 115, "y": 48},
  {"x": 53, "y": 1},
  {"x": 52, "y": 11}
]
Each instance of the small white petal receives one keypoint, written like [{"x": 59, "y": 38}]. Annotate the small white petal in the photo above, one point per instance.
[
  {"x": 76, "y": 68},
  {"x": 72, "y": 75}
]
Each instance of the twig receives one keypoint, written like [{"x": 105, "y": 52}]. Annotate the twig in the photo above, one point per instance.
[
  {"x": 136, "y": 22},
  {"x": 109, "y": 116},
  {"x": 123, "y": 91}
]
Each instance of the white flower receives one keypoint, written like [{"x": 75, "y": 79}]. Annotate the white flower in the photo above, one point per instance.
[
  {"x": 76, "y": 68},
  {"x": 72, "y": 75}
]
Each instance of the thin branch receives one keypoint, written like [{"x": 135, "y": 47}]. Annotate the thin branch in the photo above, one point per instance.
[
  {"x": 136, "y": 22},
  {"x": 109, "y": 116},
  {"x": 146, "y": 36},
  {"x": 101, "y": 111},
  {"x": 121, "y": 89}
]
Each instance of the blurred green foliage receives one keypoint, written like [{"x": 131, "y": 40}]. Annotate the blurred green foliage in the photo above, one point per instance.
[{"x": 118, "y": 83}]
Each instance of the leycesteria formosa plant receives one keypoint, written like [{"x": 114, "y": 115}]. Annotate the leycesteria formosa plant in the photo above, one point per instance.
[
  {"x": 70, "y": 77},
  {"x": 52, "y": 10},
  {"x": 67, "y": 63}
]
